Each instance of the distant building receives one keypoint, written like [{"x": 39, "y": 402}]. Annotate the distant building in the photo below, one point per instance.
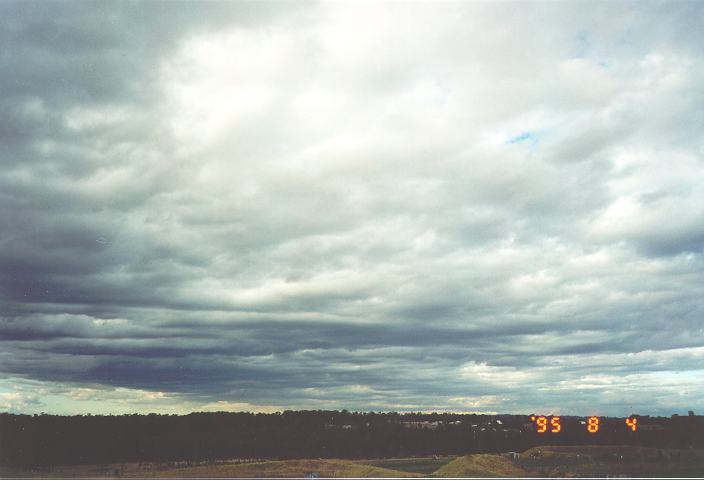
[
  {"x": 422, "y": 425},
  {"x": 330, "y": 426}
]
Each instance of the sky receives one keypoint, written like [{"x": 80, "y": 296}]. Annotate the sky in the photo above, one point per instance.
[{"x": 261, "y": 206}]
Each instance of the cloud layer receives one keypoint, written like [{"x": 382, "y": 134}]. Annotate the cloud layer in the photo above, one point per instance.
[{"x": 395, "y": 206}]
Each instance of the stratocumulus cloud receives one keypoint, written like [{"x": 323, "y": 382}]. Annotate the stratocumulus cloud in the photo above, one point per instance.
[{"x": 377, "y": 206}]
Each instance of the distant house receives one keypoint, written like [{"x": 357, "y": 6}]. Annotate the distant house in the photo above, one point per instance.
[
  {"x": 331, "y": 426},
  {"x": 422, "y": 425}
]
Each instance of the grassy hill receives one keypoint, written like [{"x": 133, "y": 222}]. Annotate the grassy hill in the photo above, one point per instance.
[
  {"x": 285, "y": 468},
  {"x": 612, "y": 460},
  {"x": 481, "y": 465},
  {"x": 422, "y": 465}
]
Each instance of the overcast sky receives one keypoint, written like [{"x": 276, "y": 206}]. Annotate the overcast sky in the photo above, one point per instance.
[{"x": 471, "y": 207}]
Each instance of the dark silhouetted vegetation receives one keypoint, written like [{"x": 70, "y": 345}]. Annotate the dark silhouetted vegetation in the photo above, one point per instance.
[{"x": 44, "y": 440}]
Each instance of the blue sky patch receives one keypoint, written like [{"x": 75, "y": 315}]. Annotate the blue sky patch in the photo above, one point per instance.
[{"x": 530, "y": 137}]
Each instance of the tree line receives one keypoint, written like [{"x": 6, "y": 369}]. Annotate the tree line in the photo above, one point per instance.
[{"x": 44, "y": 440}]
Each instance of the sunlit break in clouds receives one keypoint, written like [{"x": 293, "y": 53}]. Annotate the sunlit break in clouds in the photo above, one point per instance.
[{"x": 454, "y": 206}]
